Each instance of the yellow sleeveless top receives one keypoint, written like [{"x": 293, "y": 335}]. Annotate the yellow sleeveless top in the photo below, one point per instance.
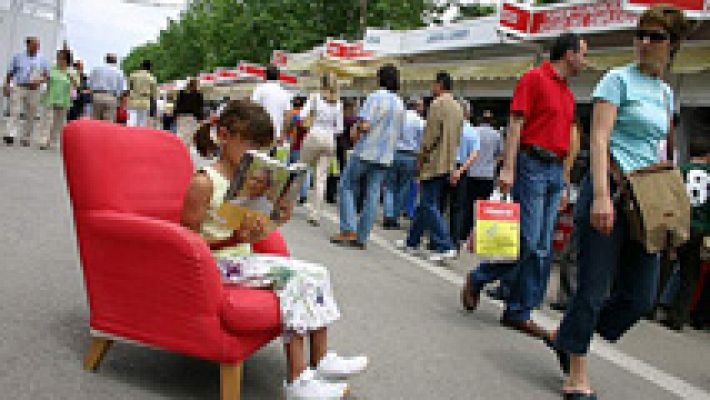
[{"x": 212, "y": 228}]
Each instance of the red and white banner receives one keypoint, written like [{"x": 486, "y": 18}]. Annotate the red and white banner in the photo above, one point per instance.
[
  {"x": 248, "y": 70},
  {"x": 529, "y": 21},
  {"x": 207, "y": 78},
  {"x": 279, "y": 58},
  {"x": 694, "y": 8},
  {"x": 347, "y": 51},
  {"x": 226, "y": 75}
]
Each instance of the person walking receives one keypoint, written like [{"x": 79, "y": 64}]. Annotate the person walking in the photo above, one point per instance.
[
  {"x": 57, "y": 100},
  {"x": 107, "y": 83},
  {"x": 460, "y": 204},
  {"x": 381, "y": 121},
  {"x": 538, "y": 140},
  {"x": 275, "y": 99},
  {"x": 81, "y": 101},
  {"x": 436, "y": 167},
  {"x": 480, "y": 181},
  {"x": 27, "y": 71},
  {"x": 189, "y": 110},
  {"x": 632, "y": 112},
  {"x": 399, "y": 178},
  {"x": 142, "y": 92},
  {"x": 325, "y": 111}
]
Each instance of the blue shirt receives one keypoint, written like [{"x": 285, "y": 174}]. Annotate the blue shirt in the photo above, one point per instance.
[
  {"x": 410, "y": 139},
  {"x": 470, "y": 142},
  {"x": 24, "y": 68},
  {"x": 484, "y": 166},
  {"x": 384, "y": 111},
  {"x": 107, "y": 78},
  {"x": 643, "y": 115}
]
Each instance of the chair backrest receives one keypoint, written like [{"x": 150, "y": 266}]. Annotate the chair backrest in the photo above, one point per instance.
[{"x": 132, "y": 170}]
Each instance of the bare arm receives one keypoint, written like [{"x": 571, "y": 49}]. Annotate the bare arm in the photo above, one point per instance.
[
  {"x": 510, "y": 152},
  {"x": 456, "y": 175},
  {"x": 568, "y": 163},
  {"x": 603, "y": 118}
]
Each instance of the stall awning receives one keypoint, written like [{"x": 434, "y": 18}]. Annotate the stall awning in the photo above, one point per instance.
[
  {"x": 689, "y": 60},
  {"x": 470, "y": 69}
]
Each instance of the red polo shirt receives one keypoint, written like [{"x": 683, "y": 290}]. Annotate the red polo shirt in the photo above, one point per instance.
[{"x": 547, "y": 104}]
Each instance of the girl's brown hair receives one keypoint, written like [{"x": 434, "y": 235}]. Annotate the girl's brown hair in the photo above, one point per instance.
[{"x": 240, "y": 117}]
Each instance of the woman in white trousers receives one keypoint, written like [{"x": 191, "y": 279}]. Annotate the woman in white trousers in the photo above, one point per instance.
[{"x": 324, "y": 110}]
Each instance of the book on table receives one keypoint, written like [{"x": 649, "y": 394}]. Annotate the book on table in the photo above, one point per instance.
[{"x": 263, "y": 192}]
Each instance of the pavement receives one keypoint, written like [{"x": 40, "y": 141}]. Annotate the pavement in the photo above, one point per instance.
[{"x": 403, "y": 312}]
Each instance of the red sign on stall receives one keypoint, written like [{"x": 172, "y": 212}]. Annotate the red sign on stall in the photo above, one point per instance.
[
  {"x": 279, "y": 58},
  {"x": 346, "y": 50},
  {"x": 259, "y": 71},
  {"x": 694, "y": 8},
  {"x": 529, "y": 21}
]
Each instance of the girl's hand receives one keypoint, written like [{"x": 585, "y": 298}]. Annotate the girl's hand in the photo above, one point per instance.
[
  {"x": 602, "y": 217},
  {"x": 251, "y": 230}
]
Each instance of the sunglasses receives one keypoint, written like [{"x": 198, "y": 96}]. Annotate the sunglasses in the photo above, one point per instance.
[{"x": 653, "y": 36}]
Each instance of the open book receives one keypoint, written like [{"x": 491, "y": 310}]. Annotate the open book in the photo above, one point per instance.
[{"x": 263, "y": 191}]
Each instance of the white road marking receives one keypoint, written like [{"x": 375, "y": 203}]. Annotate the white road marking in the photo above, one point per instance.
[{"x": 640, "y": 368}]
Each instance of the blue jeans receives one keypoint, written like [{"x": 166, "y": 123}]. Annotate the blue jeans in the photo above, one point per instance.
[
  {"x": 355, "y": 170},
  {"x": 293, "y": 157},
  {"x": 538, "y": 189},
  {"x": 428, "y": 216},
  {"x": 398, "y": 183},
  {"x": 603, "y": 259}
]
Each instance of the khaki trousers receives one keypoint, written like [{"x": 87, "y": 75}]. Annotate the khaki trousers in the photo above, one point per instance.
[
  {"x": 104, "y": 107},
  {"x": 23, "y": 101},
  {"x": 186, "y": 125},
  {"x": 51, "y": 124},
  {"x": 317, "y": 150}
]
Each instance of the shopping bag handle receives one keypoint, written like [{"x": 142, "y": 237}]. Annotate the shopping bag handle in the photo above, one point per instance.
[{"x": 497, "y": 195}]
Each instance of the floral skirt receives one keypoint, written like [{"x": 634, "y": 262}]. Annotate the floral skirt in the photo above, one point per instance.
[{"x": 304, "y": 289}]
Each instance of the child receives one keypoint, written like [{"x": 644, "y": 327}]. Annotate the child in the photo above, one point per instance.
[{"x": 306, "y": 299}]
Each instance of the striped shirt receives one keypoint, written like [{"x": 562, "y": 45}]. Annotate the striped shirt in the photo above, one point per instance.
[{"x": 384, "y": 111}]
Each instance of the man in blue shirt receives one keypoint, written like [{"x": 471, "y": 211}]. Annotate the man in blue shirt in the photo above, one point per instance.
[
  {"x": 107, "y": 83},
  {"x": 399, "y": 178},
  {"x": 459, "y": 204},
  {"x": 28, "y": 70},
  {"x": 381, "y": 122}
]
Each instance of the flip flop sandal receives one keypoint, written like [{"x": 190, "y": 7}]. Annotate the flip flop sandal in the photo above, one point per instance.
[
  {"x": 562, "y": 357},
  {"x": 579, "y": 396}
]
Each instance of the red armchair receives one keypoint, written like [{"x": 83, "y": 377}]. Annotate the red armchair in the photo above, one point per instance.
[{"x": 148, "y": 279}]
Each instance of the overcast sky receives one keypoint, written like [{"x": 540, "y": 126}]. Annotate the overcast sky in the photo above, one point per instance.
[{"x": 95, "y": 27}]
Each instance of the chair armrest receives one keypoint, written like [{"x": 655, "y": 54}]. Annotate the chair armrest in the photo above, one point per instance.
[{"x": 146, "y": 275}]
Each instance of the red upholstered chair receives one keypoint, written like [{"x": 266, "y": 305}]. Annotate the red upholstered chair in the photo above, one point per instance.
[{"x": 148, "y": 279}]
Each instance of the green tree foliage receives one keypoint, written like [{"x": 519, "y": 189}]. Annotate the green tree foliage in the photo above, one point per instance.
[{"x": 213, "y": 33}]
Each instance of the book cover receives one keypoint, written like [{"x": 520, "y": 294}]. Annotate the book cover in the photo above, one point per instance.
[{"x": 263, "y": 192}]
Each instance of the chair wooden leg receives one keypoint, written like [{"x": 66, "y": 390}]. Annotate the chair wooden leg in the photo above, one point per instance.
[
  {"x": 230, "y": 381},
  {"x": 97, "y": 351}
]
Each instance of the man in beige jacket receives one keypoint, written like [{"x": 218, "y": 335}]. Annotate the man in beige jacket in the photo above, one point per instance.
[
  {"x": 435, "y": 162},
  {"x": 143, "y": 91}
]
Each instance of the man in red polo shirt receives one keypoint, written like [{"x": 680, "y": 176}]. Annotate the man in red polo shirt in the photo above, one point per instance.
[{"x": 542, "y": 113}]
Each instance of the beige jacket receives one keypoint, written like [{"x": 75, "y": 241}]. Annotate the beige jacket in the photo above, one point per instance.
[
  {"x": 440, "y": 143},
  {"x": 142, "y": 86}
]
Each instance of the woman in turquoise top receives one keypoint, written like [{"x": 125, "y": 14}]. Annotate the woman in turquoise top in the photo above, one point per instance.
[
  {"x": 632, "y": 113},
  {"x": 56, "y": 101}
]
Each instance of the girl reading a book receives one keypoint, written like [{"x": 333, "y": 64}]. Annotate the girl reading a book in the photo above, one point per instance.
[{"x": 304, "y": 289}]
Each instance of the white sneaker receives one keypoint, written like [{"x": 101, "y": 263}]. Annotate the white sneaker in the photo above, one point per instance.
[
  {"x": 443, "y": 255},
  {"x": 335, "y": 367},
  {"x": 401, "y": 244},
  {"x": 308, "y": 387}
]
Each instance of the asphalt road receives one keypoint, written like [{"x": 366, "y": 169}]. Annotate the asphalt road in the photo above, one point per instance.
[{"x": 403, "y": 313}]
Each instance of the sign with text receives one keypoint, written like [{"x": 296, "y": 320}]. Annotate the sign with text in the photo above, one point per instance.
[
  {"x": 530, "y": 22},
  {"x": 346, "y": 50},
  {"x": 279, "y": 58},
  {"x": 699, "y": 9}
]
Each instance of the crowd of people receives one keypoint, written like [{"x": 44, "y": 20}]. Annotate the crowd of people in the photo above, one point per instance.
[
  {"x": 43, "y": 96},
  {"x": 423, "y": 162}
]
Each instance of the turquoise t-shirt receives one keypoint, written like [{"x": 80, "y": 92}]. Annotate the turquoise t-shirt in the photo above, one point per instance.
[{"x": 644, "y": 112}]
